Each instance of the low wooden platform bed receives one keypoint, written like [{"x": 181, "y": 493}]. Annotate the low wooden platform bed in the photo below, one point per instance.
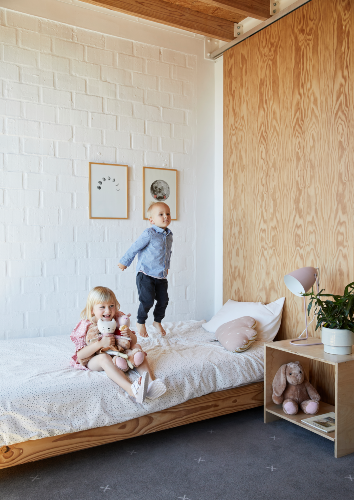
[
  {"x": 190, "y": 363},
  {"x": 194, "y": 410}
]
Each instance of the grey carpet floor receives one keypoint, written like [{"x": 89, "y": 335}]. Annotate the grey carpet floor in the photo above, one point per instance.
[{"x": 226, "y": 458}]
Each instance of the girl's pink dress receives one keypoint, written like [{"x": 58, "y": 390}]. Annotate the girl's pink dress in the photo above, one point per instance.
[{"x": 78, "y": 336}]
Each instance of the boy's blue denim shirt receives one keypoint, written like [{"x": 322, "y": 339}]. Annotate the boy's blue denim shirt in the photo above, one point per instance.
[{"x": 154, "y": 249}]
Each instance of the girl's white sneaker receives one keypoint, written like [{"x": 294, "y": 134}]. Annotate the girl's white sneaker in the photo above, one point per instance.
[
  {"x": 140, "y": 387},
  {"x": 156, "y": 389}
]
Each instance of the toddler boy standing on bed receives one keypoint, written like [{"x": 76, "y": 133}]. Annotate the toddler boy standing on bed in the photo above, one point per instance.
[{"x": 154, "y": 249}]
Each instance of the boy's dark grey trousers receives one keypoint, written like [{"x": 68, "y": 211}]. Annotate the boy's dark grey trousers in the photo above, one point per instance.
[{"x": 151, "y": 289}]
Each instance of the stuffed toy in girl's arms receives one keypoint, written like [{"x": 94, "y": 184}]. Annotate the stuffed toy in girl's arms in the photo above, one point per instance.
[
  {"x": 99, "y": 328},
  {"x": 292, "y": 390},
  {"x": 122, "y": 339}
]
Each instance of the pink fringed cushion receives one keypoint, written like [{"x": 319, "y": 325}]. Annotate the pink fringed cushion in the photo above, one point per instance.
[{"x": 237, "y": 335}]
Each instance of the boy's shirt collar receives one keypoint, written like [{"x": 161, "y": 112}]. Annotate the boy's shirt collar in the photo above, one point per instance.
[{"x": 160, "y": 230}]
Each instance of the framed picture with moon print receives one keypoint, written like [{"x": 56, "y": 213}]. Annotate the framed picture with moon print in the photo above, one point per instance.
[
  {"x": 108, "y": 190},
  {"x": 160, "y": 184}
]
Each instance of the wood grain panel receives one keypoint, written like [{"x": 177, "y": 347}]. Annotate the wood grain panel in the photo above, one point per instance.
[
  {"x": 344, "y": 443},
  {"x": 322, "y": 376},
  {"x": 288, "y": 160},
  {"x": 172, "y": 15},
  {"x": 194, "y": 410}
]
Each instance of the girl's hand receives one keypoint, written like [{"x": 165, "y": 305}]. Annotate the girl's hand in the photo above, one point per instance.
[
  {"x": 107, "y": 341},
  {"x": 122, "y": 266}
]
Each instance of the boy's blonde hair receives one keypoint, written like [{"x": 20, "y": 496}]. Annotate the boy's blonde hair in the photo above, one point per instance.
[
  {"x": 98, "y": 295},
  {"x": 153, "y": 204}
]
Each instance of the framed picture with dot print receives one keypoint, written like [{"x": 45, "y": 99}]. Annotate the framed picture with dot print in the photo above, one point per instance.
[
  {"x": 160, "y": 184},
  {"x": 108, "y": 188}
]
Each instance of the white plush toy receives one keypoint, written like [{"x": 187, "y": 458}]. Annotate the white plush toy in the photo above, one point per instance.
[{"x": 107, "y": 327}]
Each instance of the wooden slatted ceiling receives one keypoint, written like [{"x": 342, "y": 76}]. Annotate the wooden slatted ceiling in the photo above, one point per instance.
[{"x": 214, "y": 18}]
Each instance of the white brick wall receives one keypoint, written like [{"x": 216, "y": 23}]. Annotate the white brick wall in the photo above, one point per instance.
[{"x": 69, "y": 96}]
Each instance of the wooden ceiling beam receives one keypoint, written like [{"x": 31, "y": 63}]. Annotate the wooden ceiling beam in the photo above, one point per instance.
[
  {"x": 258, "y": 9},
  {"x": 172, "y": 15},
  {"x": 234, "y": 10},
  {"x": 210, "y": 8}
]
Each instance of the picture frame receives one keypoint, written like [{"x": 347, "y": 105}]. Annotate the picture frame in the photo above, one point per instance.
[
  {"x": 106, "y": 180},
  {"x": 160, "y": 184}
]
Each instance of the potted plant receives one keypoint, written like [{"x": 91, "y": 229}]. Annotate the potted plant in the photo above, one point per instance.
[{"x": 335, "y": 314}]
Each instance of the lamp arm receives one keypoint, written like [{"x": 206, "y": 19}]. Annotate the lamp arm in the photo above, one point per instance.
[{"x": 317, "y": 277}]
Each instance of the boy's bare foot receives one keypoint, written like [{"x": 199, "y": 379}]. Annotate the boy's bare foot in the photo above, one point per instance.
[
  {"x": 142, "y": 330},
  {"x": 159, "y": 328}
]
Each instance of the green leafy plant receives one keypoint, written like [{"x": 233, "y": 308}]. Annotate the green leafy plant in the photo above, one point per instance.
[{"x": 335, "y": 313}]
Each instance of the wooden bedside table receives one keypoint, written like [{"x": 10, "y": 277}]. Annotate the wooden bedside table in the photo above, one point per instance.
[{"x": 278, "y": 353}]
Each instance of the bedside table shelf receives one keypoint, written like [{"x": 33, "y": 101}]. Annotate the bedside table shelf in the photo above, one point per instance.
[
  {"x": 342, "y": 370},
  {"x": 277, "y": 410}
]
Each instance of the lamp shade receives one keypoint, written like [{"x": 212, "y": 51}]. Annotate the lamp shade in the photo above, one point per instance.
[{"x": 301, "y": 280}]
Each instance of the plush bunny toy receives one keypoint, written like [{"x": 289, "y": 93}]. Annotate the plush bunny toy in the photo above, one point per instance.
[
  {"x": 291, "y": 389},
  {"x": 124, "y": 321},
  {"x": 123, "y": 326}
]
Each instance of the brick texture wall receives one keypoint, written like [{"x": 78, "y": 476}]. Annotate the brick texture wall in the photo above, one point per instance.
[{"x": 69, "y": 96}]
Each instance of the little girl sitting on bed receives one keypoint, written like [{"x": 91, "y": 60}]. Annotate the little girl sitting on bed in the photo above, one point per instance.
[{"x": 102, "y": 304}]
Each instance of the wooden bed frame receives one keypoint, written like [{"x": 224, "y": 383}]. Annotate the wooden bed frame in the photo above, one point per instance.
[{"x": 194, "y": 410}]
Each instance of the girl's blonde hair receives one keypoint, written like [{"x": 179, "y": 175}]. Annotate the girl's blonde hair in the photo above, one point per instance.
[{"x": 98, "y": 295}]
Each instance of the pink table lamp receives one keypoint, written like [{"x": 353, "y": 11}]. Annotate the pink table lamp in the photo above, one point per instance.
[{"x": 300, "y": 282}]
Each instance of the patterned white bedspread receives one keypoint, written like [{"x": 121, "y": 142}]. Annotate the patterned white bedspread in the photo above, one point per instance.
[{"x": 41, "y": 396}]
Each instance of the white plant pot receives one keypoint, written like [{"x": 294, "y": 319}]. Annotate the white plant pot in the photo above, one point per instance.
[{"x": 337, "y": 341}]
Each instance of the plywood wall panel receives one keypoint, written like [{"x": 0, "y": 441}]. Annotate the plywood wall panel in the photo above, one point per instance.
[{"x": 288, "y": 157}]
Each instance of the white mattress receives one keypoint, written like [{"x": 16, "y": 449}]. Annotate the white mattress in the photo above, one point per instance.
[{"x": 41, "y": 396}]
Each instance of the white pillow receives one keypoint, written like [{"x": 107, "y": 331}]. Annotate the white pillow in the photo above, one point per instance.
[{"x": 268, "y": 317}]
